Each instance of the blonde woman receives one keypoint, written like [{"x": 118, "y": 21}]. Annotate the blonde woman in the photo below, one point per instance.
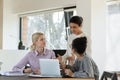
[{"x": 38, "y": 51}]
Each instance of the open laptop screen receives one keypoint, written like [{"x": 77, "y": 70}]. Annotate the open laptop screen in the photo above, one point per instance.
[{"x": 49, "y": 67}]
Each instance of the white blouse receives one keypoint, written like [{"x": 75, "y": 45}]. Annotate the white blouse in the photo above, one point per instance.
[{"x": 69, "y": 45}]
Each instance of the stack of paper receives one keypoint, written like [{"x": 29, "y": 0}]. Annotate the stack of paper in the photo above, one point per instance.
[{"x": 12, "y": 73}]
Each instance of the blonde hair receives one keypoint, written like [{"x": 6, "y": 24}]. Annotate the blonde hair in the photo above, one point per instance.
[{"x": 35, "y": 37}]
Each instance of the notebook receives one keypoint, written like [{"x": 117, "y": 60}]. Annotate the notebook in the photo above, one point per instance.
[{"x": 48, "y": 68}]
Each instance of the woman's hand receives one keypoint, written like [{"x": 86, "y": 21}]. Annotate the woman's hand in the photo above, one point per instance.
[
  {"x": 36, "y": 71},
  {"x": 71, "y": 58},
  {"x": 59, "y": 58},
  {"x": 28, "y": 70},
  {"x": 69, "y": 72}
]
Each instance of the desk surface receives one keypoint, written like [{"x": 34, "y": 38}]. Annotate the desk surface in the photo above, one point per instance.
[{"x": 30, "y": 78}]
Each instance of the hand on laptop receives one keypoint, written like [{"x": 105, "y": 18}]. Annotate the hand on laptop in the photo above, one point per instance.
[
  {"x": 27, "y": 70},
  {"x": 36, "y": 71}
]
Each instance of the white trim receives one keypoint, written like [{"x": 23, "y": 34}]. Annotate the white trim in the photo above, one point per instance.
[
  {"x": 45, "y": 10},
  {"x": 39, "y": 12}
]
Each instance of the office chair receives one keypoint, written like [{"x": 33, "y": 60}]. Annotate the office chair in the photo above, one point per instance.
[
  {"x": 110, "y": 75},
  {"x": 60, "y": 52}
]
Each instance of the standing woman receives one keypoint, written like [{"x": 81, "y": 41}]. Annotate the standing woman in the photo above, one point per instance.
[
  {"x": 38, "y": 51},
  {"x": 76, "y": 23}
]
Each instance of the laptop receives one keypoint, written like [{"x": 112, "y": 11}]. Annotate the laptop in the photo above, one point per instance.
[{"x": 48, "y": 68}]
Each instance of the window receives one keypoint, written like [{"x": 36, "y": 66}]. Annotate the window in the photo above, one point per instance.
[
  {"x": 113, "y": 35},
  {"x": 52, "y": 23}
]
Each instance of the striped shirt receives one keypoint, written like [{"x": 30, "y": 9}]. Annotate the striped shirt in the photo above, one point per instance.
[{"x": 32, "y": 58}]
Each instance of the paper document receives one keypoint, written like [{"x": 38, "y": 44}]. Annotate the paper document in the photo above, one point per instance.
[{"x": 12, "y": 73}]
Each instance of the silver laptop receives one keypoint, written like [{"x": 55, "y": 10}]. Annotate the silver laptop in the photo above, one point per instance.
[{"x": 49, "y": 68}]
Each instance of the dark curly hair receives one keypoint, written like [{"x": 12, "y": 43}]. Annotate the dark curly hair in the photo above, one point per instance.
[
  {"x": 77, "y": 20},
  {"x": 80, "y": 44}
]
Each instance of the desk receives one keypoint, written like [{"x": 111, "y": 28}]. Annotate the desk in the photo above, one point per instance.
[{"x": 30, "y": 78}]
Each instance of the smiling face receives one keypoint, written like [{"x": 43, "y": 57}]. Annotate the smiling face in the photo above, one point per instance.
[{"x": 75, "y": 28}]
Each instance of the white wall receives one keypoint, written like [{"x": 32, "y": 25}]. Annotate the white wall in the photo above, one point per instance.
[
  {"x": 10, "y": 58},
  {"x": 1, "y": 22},
  {"x": 10, "y": 26},
  {"x": 30, "y": 5},
  {"x": 98, "y": 33}
]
